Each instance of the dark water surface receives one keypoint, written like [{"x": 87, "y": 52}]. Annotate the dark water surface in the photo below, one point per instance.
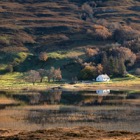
[{"x": 102, "y": 109}]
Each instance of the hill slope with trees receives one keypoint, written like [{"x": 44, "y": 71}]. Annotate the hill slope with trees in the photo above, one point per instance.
[{"x": 81, "y": 37}]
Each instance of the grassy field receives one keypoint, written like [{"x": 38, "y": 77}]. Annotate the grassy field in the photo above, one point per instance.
[{"x": 15, "y": 81}]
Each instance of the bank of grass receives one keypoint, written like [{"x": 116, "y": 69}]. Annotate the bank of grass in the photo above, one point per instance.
[
  {"x": 130, "y": 81},
  {"x": 65, "y": 54},
  {"x": 13, "y": 81}
]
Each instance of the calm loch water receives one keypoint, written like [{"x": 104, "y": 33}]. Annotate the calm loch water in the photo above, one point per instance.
[{"x": 102, "y": 109}]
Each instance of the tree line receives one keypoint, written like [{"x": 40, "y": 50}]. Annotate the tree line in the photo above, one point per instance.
[
  {"x": 114, "y": 60},
  {"x": 38, "y": 75}
]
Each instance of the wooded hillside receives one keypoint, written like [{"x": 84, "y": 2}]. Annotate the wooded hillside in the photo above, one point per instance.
[{"x": 65, "y": 29}]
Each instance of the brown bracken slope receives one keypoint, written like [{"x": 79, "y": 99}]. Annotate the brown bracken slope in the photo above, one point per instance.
[
  {"x": 33, "y": 26},
  {"x": 46, "y": 25}
]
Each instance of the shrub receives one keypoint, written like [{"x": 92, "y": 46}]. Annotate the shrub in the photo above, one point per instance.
[
  {"x": 99, "y": 68},
  {"x": 43, "y": 56},
  {"x": 4, "y": 40},
  {"x": 134, "y": 45},
  {"x": 88, "y": 73},
  {"x": 101, "y": 32},
  {"x": 9, "y": 68},
  {"x": 87, "y": 9},
  {"x": 137, "y": 71},
  {"x": 125, "y": 33},
  {"x": 91, "y": 52}
]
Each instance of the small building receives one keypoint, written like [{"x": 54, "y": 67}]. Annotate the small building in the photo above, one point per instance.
[{"x": 103, "y": 78}]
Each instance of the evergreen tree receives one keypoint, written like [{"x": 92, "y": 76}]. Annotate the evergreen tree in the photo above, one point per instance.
[
  {"x": 111, "y": 65},
  {"x": 105, "y": 63},
  {"x": 116, "y": 68},
  {"x": 122, "y": 68}
]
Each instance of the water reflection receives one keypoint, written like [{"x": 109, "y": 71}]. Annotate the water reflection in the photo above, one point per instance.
[
  {"x": 47, "y": 97},
  {"x": 71, "y": 108},
  {"x": 62, "y": 115},
  {"x": 88, "y": 116},
  {"x": 101, "y": 93},
  {"x": 81, "y": 98},
  {"x": 51, "y": 97}
]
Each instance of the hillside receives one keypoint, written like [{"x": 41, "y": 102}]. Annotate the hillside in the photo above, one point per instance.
[{"x": 63, "y": 29}]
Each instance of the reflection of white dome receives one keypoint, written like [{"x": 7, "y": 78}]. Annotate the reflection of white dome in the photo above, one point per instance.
[{"x": 103, "y": 92}]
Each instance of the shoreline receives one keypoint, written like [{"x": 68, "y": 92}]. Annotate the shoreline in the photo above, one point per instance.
[
  {"x": 74, "y": 87},
  {"x": 90, "y": 87},
  {"x": 76, "y": 133}
]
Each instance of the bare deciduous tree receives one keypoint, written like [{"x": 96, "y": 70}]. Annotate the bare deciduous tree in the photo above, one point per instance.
[
  {"x": 42, "y": 73},
  {"x": 32, "y": 76},
  {"x": 57, "y": 74},
  {"x": 54, "y": 74}
]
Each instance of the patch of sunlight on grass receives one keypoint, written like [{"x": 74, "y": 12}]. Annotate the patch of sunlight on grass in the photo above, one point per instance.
[
  {"x": 11, "y": 75},
  {"x": 16, "y": 81},
  {"x": 65, "y": 54},
  {"x": 10, "y": 79},
  {"x": 128, "y": 77},
  {"x": 5, "y": 39},
  {"x": 134, "y": 91},
  {"x": 3, "y": 66},
  {"x": 55, "y": 55},
  {"x": 22, "y": 56}
]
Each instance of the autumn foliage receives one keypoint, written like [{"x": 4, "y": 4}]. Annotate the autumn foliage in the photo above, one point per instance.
[{"x": 43, "y": 56}]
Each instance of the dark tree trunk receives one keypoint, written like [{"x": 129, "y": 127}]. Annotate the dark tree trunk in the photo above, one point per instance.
[{"x": 41, "y": 80}]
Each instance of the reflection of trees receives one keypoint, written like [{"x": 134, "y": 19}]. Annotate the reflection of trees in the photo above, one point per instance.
[
  {"x": 55, "y": 96},
  {"x": 51, "y": 97},
  {"x": 35, "y": 98}
]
